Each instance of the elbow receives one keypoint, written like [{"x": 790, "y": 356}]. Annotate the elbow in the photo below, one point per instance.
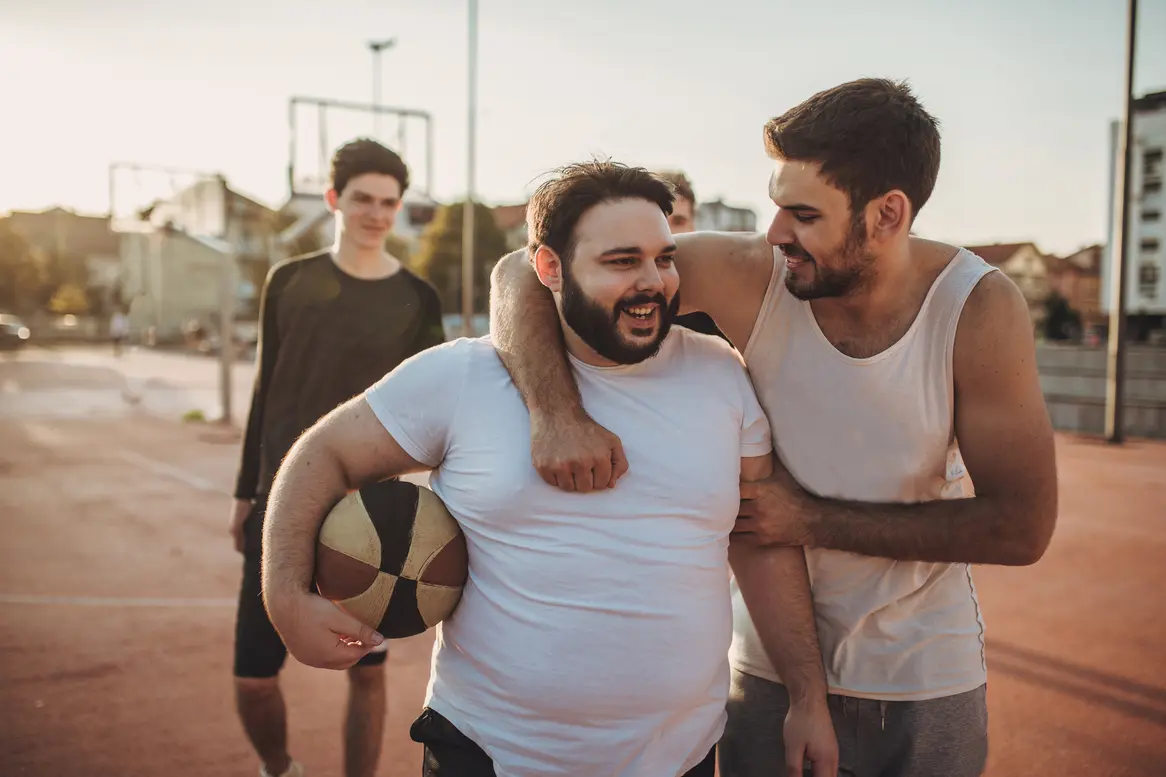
[{"x": 1028, "y": 544}]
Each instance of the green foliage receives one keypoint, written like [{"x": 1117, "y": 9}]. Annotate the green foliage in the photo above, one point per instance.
[
  {"x": 22, "y": 275},
  {"x": 1061, "y": 321},
  {"x": 439, "y": 257},
  {"x": 69, "y": 298}
]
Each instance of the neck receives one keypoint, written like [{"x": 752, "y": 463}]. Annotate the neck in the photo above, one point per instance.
[
  {"x": 364, "y": 262},
  {"x": 881, "y": 294}
]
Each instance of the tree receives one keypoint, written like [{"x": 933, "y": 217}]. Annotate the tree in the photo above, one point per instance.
[
  {"x": 1061, "y": 321},
  {"x": 439, "y": 257},
  {"x": 69, "y": 298}
]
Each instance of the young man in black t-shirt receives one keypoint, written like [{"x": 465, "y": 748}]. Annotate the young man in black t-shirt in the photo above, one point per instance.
[
  {"x": 683, "y": 219},
  {"x": 331, "y": 324}
]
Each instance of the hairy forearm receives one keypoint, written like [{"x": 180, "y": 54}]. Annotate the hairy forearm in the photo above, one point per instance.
[
  {"x": 310, "y": 481},
  {"x": 776, "y": 587},
  {"x": 978, "y": 530},
  {"x": 525, "y": 329}
]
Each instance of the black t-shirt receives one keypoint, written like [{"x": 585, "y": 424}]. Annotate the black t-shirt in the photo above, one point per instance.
[
  {"x": 700, "y": 322},
  {"x": 324, "y": 337}
]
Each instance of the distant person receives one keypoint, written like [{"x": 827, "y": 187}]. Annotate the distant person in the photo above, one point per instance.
[
  {"x": 683, "y": 221},
  {"x": 899, "y": 376},
  {"x": 592, "y": 636},
  {"x": 119, "y": 329},
  {"x": 331, "y": 324}
]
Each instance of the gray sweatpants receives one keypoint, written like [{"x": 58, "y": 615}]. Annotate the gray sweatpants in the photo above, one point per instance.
[{"x": 945, "y": 737}]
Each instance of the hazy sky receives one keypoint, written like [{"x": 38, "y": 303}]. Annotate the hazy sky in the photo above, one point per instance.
[{"x": 1025, "y": 90}]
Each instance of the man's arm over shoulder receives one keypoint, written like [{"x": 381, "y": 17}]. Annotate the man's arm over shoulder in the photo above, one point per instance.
[
  {"x": 725, "y": 274},
  {"x": 568, "y": 448}
]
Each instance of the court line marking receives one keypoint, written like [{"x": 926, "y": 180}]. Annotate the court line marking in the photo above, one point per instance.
[
  {"x": 114, "y": 601},
  {"x": 161, "y": 468}
]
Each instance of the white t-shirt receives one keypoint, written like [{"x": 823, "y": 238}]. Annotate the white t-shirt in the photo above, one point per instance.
[{"x": 593, "y": 632}]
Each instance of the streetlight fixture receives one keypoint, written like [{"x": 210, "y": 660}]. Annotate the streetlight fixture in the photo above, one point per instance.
[{"x": 376, "y": 47}]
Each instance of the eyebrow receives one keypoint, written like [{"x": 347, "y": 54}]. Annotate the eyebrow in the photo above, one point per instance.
[
  {"x": 624, "y": 250},
  {"x": 362, "y": 193},
  {"x": 799, "y": 207}
]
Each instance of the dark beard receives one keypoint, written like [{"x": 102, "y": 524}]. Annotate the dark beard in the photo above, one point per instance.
[
  {"x": 599, "y": 327},
  {"x": 833, "y": 281}
]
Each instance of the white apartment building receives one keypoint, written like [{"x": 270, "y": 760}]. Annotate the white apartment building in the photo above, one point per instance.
[{"x": 1146, "y": 237}]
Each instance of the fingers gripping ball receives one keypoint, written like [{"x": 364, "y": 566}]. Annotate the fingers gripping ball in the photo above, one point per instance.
[{"x": 393, "y": 556}]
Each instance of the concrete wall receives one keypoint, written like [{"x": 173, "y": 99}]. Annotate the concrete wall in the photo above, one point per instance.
[{"x": 1074, "y": 378}]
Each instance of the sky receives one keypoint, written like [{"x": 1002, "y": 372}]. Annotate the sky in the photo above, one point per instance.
[{"x": 1024, "y": 91}]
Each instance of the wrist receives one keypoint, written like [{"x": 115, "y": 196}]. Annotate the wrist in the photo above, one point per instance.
[
  {"x": 809, "y": 695},
  {"x": 559, "y": 414}
]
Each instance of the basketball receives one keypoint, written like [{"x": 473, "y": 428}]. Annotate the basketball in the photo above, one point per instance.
[{"x": 392, "y": 556}]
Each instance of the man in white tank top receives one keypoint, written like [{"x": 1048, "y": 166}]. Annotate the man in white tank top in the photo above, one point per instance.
[{"x": 899, "y": 377}]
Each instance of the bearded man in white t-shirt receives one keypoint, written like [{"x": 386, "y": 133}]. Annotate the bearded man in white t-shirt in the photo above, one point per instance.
[{"x": 593, "y": 632}]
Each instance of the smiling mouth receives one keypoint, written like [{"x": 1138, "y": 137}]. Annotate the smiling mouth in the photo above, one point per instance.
[{"x": 643, "y": 313}]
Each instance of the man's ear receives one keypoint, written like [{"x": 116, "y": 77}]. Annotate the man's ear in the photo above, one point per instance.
[
  {"x": 330, "y": 198},
  {"x": 549, "y": 268},
  {"x": 888, "y": 216}
]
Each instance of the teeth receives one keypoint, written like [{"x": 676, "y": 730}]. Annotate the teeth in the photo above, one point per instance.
[{"x": 641, "y": 311}]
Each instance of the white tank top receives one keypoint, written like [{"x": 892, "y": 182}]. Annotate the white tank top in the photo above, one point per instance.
[{"x": 878, "y": 429}]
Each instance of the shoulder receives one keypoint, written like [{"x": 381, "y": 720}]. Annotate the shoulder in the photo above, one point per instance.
[
  {"x": 286, "y": 269},
  {"x": 705, "y": 354},
  {"x": 995, "y": 329},
  {"x": 423, "y": 286},
  {"x": 995, "y": 303},
  {"x": 468, "y": 353}
]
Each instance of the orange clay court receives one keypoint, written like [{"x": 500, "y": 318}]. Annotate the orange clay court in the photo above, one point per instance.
[{"x": 117, "y": 586}]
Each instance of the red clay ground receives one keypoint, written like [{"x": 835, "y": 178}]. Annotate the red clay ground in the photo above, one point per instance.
[{"x": 97, "y": 510}]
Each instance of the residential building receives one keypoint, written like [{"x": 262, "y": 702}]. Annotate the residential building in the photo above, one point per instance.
[
  {"x": 174, "y": 281},
  {"x": 1077, "y": 278},
  {"x": 84, "y": 246},
  {"x": 1027, "y": 267},
  {"x": 718, "y": 216},
  {"x": 1145, "y": 248}
]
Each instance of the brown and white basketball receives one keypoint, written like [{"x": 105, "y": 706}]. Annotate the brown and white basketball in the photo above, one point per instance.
[{"x": 392, "y": 555}]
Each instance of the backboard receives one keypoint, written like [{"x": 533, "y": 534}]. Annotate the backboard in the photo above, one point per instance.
[{"x": 317, "y": 127}]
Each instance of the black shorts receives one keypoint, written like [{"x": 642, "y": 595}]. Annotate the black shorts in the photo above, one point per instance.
[
  {"x": 450, "y": 753},
  {"x": 259, "y": 652}
]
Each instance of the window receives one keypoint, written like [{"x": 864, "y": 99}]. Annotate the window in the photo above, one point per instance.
[
  {"x": 1151, "y": 215},
  {"x": 1152, "y": 164},
  {"x": 1149, "y": 245},
  {"x": 1148, "y": 280}
]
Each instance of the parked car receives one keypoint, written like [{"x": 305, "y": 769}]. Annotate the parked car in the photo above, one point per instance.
[{"x": 13, "y": 333}]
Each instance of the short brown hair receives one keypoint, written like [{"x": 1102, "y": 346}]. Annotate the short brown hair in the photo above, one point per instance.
[
  {"x": 364, "y": 155},
  {"x": 869, "y": 136},
  {"x": 559, "y": 202},
  {"x": 679, "y": 183}
]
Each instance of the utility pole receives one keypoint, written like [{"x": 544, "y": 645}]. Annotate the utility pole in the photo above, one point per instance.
[
  {"x": 226, "y": 307},
  {"x": 1119, "y": 246},
  {"x": 468, "y": 213}
]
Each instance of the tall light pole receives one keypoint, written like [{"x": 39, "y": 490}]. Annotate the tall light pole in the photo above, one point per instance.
[
  {"x": 468, "y": 211},
  {"x": 1115, "y": 385},
  {"x": 376, "y": 47}
]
